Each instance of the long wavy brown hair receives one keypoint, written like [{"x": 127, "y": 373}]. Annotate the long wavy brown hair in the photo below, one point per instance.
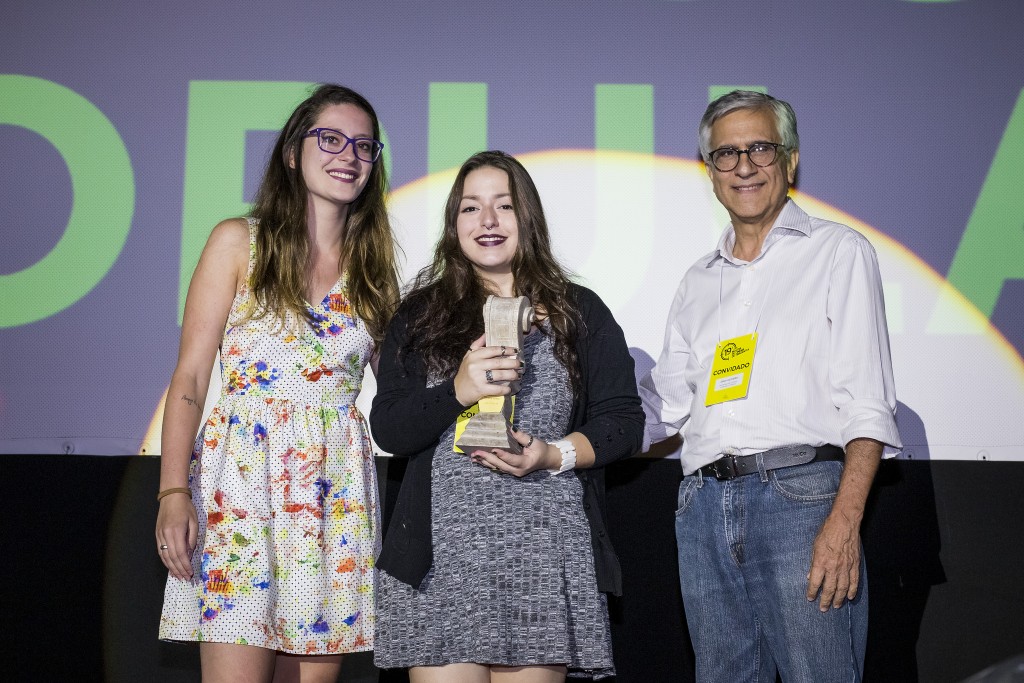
[
  {"x": 447, "y": 296},
  {"x": 280, "y": 274}
]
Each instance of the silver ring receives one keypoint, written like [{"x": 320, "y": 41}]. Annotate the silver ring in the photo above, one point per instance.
[
  {"x": 502, "y": 351},
  {"x": 163, "y": 547},
  {"x": 528, "y": 443},
  {"x": 490, "y": 377}
]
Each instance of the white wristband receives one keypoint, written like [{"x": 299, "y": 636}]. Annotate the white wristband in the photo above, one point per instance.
[{"x": 568, "y": 456}]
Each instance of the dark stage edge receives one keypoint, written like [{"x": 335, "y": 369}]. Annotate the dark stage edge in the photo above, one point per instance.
[{"x": 81, "y": 587}]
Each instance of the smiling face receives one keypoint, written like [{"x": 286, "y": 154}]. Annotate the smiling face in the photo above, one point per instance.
[
  {"x": 336, "y": 180},
  {"x": 753, "y": 195},
  {"x": 487, "y": 227}
]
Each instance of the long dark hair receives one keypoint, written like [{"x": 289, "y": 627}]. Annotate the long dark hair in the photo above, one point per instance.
[
  {"x": 447, "y": 297},
  {"x": 368, "y": 250}
]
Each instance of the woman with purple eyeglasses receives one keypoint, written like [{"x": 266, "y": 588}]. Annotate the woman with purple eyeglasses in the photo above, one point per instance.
[{"x": 268, "y": 521}]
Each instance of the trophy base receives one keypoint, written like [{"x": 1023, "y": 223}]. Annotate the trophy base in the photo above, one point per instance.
[{"x": 487, "y": 431}]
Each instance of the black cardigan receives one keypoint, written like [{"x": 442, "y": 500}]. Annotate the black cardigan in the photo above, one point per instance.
[{"x": 408, "y": 418}]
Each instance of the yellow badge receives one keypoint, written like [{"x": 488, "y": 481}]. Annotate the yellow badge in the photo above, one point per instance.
[
  {"x": 731, "y": 368},
  {"x": 489, "y": 404}
]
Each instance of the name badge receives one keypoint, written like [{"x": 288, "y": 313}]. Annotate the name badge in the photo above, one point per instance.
[
  {"x": 489, "y": 404},
  {"x": 731, "y": 368}
]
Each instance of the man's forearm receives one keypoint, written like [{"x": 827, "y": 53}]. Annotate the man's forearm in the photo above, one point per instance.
[{"x": 862, "y": 458}]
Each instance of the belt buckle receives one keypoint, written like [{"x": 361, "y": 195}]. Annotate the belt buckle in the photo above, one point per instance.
[{"x": 725, "y": 468}]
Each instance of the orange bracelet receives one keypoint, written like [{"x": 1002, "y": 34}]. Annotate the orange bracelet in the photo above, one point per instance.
[{"x": 177, "y": 489}]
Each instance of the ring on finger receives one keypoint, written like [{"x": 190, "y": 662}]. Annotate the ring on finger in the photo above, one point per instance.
[
  {"x": 529, "y": 443},
  {"x": 502, "y": 351},
  {"x": 490, "y": 376},
  {"x": 163, "y": 547}
]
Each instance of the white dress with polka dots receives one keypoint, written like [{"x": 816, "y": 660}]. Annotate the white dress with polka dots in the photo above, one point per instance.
[{"x": 283, "y": 479}]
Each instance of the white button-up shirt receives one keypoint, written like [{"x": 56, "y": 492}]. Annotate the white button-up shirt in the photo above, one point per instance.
[{"x": 822, "y": 372}]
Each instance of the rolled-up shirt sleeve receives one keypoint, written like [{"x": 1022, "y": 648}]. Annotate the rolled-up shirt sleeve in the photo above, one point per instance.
[
  {"x": 860, "y": 369},
  {"x": 664, "y": 392}
]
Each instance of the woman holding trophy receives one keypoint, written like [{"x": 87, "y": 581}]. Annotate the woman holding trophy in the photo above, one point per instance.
[{"x": 496, "y": 561}]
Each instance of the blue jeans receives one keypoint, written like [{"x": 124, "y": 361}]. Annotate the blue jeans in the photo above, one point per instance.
[{"x": 744, "y": 554}]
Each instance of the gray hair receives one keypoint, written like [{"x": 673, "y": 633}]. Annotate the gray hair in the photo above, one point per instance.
[{"x": 785, "y": 117}]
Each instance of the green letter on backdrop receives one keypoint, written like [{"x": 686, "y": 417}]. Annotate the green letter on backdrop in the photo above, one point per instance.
[
  {"x": 102, "y": 205},
  {"x": 456, "y": 124},
  {"x": 219, "y": 114},
  {"x": 993, "y": 242}
]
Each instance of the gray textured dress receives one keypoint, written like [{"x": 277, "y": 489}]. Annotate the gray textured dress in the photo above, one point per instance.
[{"x": 513, "y": 576}]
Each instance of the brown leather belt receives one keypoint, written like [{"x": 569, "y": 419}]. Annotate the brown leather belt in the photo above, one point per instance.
[{"x": 732, "y": 466}]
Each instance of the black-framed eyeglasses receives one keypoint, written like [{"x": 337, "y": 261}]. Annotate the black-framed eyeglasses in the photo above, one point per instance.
[
  {"x": 334, "y": 142},
  {"x": 760, "y": 154}
]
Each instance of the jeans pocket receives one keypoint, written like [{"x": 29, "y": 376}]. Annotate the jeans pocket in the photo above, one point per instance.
[
  {"x": 810, "y": 483},
  {"x": 686, "y": 490}
]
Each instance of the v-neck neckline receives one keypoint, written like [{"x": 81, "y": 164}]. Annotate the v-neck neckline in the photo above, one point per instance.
[{"x": 338, "y": 284}]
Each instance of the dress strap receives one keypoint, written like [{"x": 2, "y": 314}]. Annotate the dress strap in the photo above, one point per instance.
[{"x": 253, "y": 227}]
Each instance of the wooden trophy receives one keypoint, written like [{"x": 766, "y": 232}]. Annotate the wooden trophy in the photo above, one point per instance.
[{"x": 506, "y": 321}]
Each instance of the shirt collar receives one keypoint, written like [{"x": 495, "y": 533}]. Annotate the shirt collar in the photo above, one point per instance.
[{"x": 792, "y": 220}]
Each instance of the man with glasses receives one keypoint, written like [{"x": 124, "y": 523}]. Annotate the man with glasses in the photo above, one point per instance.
[{"x": 776, "y": 367}]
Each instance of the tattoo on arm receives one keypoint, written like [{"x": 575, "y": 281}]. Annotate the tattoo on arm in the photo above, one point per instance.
[{"x": 191, "y": 401}]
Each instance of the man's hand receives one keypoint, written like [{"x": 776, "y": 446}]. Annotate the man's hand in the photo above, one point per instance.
[{"x": 835, "y": 562}]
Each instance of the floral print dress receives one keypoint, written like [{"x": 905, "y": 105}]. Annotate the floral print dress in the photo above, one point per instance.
[{"x": 283, "y": 480}]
